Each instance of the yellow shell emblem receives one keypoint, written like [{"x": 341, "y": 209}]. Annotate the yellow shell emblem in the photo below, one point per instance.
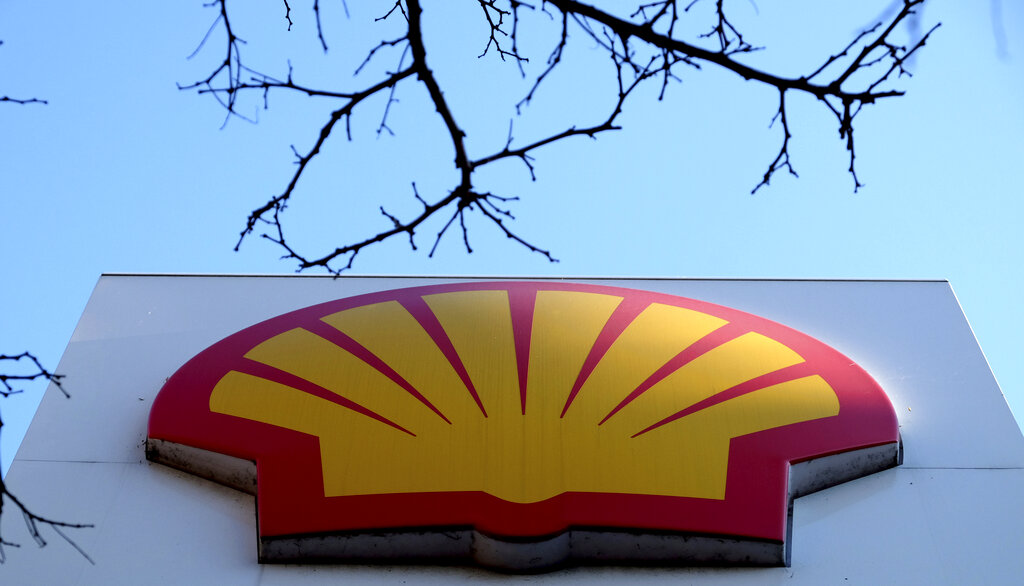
[{"x": 512, "y": 407}]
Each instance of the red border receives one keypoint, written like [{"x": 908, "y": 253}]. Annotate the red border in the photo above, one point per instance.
[{"x": 290, "y": 487}]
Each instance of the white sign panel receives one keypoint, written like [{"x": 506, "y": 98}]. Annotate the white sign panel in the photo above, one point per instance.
[{"x": 85, "y": 459}]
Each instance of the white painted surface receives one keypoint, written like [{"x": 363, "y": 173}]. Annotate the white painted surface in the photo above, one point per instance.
[{"x": 952, "y": 514}]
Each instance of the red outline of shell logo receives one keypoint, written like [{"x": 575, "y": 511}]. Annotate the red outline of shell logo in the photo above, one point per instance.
[{"x": 528, "y": 423}]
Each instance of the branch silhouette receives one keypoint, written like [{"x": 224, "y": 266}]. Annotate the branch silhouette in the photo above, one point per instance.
[
  {"x": 10, "y": 383},
  {"x": 34, "y": 523},
  {"x": 644, "y": 46}
]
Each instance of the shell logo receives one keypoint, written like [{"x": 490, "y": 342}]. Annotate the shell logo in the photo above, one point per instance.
[{"x": 523, "y": 424}]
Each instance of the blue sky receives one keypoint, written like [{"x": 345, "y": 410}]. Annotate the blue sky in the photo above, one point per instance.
[{"x": 122, "y": 172}]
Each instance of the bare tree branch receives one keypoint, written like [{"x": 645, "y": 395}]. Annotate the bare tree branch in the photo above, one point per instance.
[
  {"x": 643, "y": 44},
  {"x": 34, "y": 522},
  {"x": 11, "y": 383},
  {"x": 22, "y": 101},
  {"x": 37, "y": 371}
]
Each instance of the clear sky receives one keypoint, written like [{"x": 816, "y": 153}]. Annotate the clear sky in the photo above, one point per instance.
[{"x": 122, "y": 172}]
